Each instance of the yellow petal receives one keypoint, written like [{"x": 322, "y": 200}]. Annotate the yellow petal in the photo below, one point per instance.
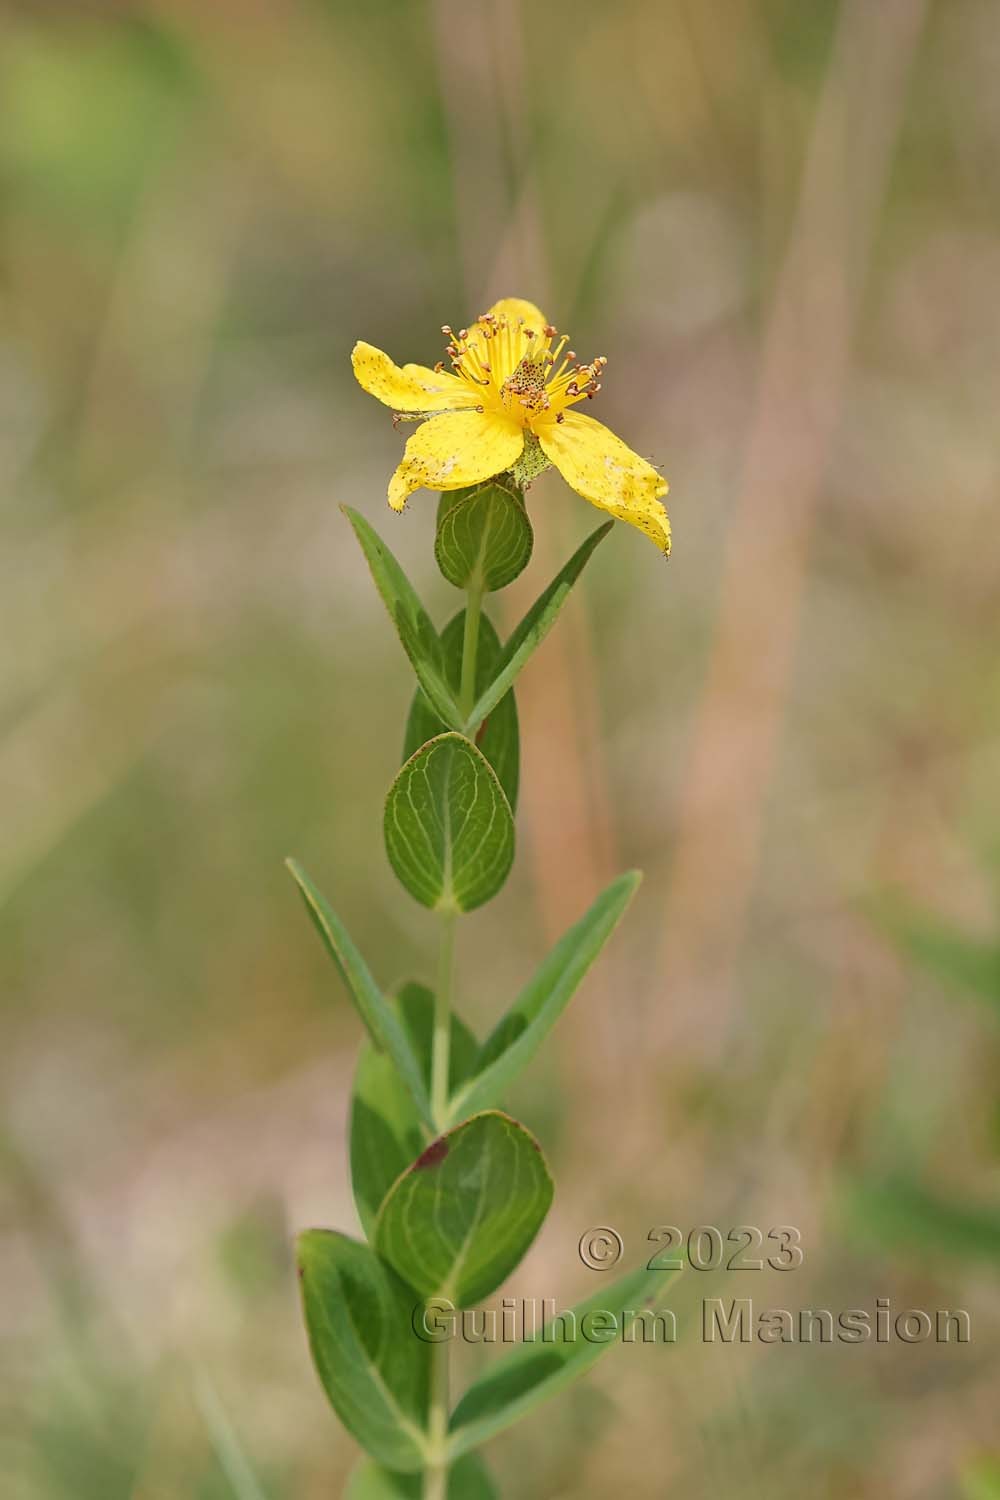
[
  {"x": 516, "y": 308},
  {"x": 455, "y": 449},
  {"x": 412, "y": 387},
  {"x": 505, "y": 351},
  {"x": 605, "y": 471}
]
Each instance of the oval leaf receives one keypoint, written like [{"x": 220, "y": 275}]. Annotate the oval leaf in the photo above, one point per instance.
[
  {"x": 449, "y": 833},
  {"x": 386, "y": 1133},
  {"x": 374, "y": 1369},
  {"x": 484, "y": 538},
  {"x": 467, "y": 1480},
  {"x": 459, "y": 1220},
  {"x": 498, "y": 738}
]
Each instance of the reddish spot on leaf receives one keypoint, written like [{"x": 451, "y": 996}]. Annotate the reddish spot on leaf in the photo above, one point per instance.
[{"x": 435, "y": 1153}]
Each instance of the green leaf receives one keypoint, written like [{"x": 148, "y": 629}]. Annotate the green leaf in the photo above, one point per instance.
[
  {"x": 484, "y": 538},
  {"x": 449, "y": 833},
  {"x": 373, "y": 1367},
  {"x": 498, "y": 738},
  {"x": 537, "y": 1368},
  {"x": 522, "y": 1030},
  {"x": 467, "y": 1480},
  {"x": 534, "y": 628},
  {"x": 386, "y": 1131},
  {"x": 417, "y": 633},
  {"x": 382, "y": 1023},
  {"x": 461, "y": 1217}
]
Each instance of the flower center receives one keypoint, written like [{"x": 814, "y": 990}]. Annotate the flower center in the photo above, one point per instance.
[{"x": 524, "y": 373}]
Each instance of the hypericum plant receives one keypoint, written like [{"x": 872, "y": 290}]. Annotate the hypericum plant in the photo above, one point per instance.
[{"x": 449, "y": 1189}]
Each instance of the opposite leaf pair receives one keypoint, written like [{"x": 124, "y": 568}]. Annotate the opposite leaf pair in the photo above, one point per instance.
[{"x": 513, "y": 1041}]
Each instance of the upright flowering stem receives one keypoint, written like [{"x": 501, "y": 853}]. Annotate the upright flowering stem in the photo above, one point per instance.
[{"x": 455, "y": 1219}]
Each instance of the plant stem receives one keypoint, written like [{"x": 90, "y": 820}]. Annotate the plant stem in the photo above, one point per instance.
[
  {"x": 435, "y": 1485},
  {"x": 441, "y": 1043},
  {"x": 470, "y": 647}
]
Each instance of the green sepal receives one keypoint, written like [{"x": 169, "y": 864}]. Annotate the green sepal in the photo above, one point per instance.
[
  {"x": 381, "y": 1021},
  {"x": 458, "y": 1220},
  {"x": 467, "y": 1480},
  {"x": 386, "y": 1130},
  {"x": 449, "y": 831},
  {"x": 533, "y": 461},
  {"x": 520, "y": 1033},
  {"x": 534, "y": 628},
  {"x": 373, "y": 1367},
  {"x": 484, "y": 538},
  {"x": 498, "y": 738},
  {"x": 413, "y": 624},
  {"x": 540, "y": 1367}
]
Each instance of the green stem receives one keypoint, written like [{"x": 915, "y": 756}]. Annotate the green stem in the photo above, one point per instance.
[
  {"x": 435, "y": 1485},
  {"x": 441, "y": 1043},
  {"x": 470, "y": 647}
]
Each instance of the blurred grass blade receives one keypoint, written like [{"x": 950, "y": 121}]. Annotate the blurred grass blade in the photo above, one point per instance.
[
  {"x": 534, "y": 628},
  {"x": 461, "y": 1218},
  {"x": 899, "y": 1212},
  {"x": 525, "y": 1026},
  {"x": 228, "y": 1449},
  {"x": 957, "y": 958},
  {"x": 413, "y": 624},
  {"x": 981, "y": 1480},
  {"x": 380, "y": 1019},
  {"x": 537, "y": 1369}
]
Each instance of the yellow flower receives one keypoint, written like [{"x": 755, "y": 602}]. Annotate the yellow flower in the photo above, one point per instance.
[{"x": 507, "y": 406}]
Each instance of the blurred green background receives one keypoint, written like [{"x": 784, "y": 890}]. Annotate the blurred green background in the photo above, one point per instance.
[{"x": 780, "y": 220}]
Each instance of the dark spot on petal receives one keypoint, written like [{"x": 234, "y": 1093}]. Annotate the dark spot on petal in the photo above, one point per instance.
[{"x": 435, "y": 1153}]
